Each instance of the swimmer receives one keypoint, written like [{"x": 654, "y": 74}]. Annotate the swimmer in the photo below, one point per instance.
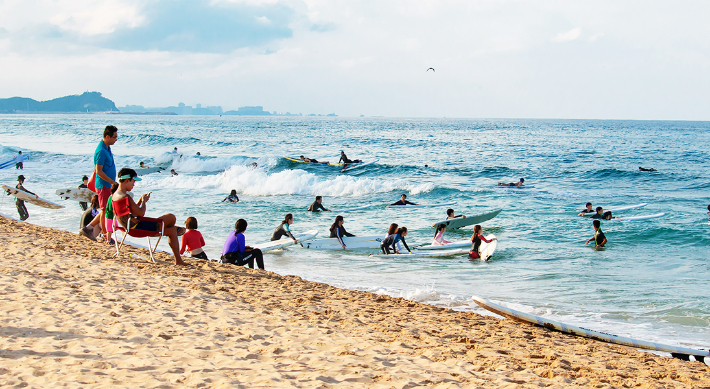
[
  {"x": 173, "y": 172},
  {"x": 518, "y": 184},
  {"x": 232, "y": 198},
  {"x": 643, "y": 169}
]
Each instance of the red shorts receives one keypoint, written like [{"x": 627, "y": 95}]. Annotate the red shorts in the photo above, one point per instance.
[{"x": 104, "y": 194}]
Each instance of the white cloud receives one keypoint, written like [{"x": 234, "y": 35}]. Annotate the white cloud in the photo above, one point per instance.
[{"x": 568, "y": 36}]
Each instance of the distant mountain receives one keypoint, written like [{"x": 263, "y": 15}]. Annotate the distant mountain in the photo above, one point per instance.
[{"x": 85, "y": 102}]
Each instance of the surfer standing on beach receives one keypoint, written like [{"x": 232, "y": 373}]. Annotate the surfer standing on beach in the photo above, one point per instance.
[{"x": 21, "y": 209}]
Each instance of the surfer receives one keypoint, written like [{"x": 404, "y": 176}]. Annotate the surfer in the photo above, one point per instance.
[
  {"x": 599, "y": 238},
  {"x": 391, "y": 240},
  {"x": 143, "y": 165},
  {"x": 21, "y": 209},
  {"x": 129, "y": 212},
  {"x": 338, "y": 231},
  {"x": 18, "y": 161},
  {"x": 235, "y": 250},
  {"x": 193, "y": 240},
  {"x": 284, "y": 229},
  {"x": 439, "y": 236},
  {"x": 173, "y": 172},
  {"x": 345, "y": 160},
  {"x": 518, "y": 184},
  {"x": 643, "y": 169},
  {"x": 403, "y": 201},
  {"x": 708, "y": 211},
  {"x": 476, "y": 240},
  {"x": 313, "y": 160},
  {"x": 450, "y": 214},
  {"x": 84, "y": 184},
  {"x": 599, "y": 213},
  {"x": 586, "y": 210},
  {"x": 317, "y": 205},
  {"x": 254, "y": 165},
  {"x": 232, "y": 198}
]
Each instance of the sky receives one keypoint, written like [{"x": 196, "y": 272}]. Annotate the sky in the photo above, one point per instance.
[{"x": 635, "y": 59}]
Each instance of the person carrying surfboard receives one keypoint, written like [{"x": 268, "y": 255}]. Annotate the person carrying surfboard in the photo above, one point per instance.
[
  {"x": 20, "y": 204},
  {"x": 338, "y": 231},
  {"x": 403, "y": 201},
  {"x": 84, "y": 184},
  {"x": 317, "y": 205},
  {"x": 391, "y": 241},
  {"x": 476, "y": 240},
  {"x": 599, "y": 238},
  {"x": 284, "y": 229}
]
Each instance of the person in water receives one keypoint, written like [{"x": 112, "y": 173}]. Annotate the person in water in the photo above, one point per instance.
[
  {"x": 18, "y": 161},
  {"x": 476, "y": 240},
  {"x": 599, "y": 213},
  {"x": 235, "y": 250},
  {"x": 518, "y": 184},
  {"x": 439, "y": 236},
  {"x": 338, "y": 231},
  {"x": 588, "y": 209},
  {"x": 20, "y": 204},
  {"x": 317, "y": 205},
  {"x": 193, "y": 240},
  {"x": 345, "y": 160},
  {"x": 84, "y": 184},
  {"x": 232, "y": 198},
  {"x": 173, "y": 172},
  {"x": 708, "y": 211},
  {"x": 451, "y": 215},
  {"x": 284, "y": 229},
  {"x": 313, "y": 160},
  {"x": 129, "y": 212},
  {"x": 643, "y": 169},
  {"x": 391, "y": 241},
  {"x": 403, "y": 201},
  {"x": 599, "y": 238},
  {"x": 254, "y": 165}
]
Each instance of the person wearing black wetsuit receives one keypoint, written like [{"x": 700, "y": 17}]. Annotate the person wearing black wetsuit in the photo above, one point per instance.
[
  {"x": 599, "y": 214},
  {"x": 284, "y": 229},
  {"x": 232, "y": 198},
  {"x": 344, "y": 159},
  {"x": 21, "y": 209},
  {"x": 599, "y": 238},
  {"x": 84, "y": 184},
  {"x": 338, "y": 231},
  {"x": 317, "y": 205},
  {"x": 403, "y": 201},
  {"x": 390, "y": 241}
]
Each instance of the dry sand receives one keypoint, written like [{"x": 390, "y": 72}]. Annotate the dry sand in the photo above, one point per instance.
[{"x": 74, "y": 316}]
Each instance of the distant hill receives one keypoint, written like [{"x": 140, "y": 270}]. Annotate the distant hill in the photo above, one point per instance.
[{"x": 85, "y": 102}]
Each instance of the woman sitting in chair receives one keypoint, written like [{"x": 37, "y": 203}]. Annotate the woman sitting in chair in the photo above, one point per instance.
[{"x": 131, "y": 214}]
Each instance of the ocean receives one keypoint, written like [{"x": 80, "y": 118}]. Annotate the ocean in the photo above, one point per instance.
[{"x": 650, "y": 282}]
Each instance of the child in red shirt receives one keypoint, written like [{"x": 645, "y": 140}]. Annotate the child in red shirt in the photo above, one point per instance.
[{"x": 192, "y": 240}]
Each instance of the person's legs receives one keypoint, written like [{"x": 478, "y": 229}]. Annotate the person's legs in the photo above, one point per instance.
[
  {"x": 104, "y": 194},
  {"x": 171, "y": 233},
  {"x": 258, "y": 257},
  {"x": 22, "y": 210}
]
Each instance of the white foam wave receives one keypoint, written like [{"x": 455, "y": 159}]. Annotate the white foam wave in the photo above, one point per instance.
[{"x": 258, "y": 182}]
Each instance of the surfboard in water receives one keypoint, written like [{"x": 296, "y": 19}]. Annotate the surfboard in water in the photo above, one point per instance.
[
  {"x": 30, "y": 198},
  {"x": 637, "y": 218},
  {"x": 469, "y": 220},
  {"x": 356, "y": 165},
  {"x": 285, "y": 242},
  {"x": 619, "y": 209},
  {"x": 313, "y": 163},
  {"x": 351, "y": 242},
  {"x": 353, "y": 209},
  {"x": 678, "y": 352},
  {"x": 7, "y": 163},
  {"x": 423, "y": 254}
]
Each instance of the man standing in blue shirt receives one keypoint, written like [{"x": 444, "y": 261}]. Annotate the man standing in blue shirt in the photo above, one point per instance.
[{"x": 105, "y": 172}]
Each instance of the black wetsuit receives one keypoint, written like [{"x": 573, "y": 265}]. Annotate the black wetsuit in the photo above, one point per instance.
[
  {"x": 344, "y": 159},
  {"x": 390, "y": 241},
  {"x": 281, "y": 232},
  {"x": 598, "y": 216},
  {"x": 405, "y": 202},
  {"x": 21, "y": 209},
  {"x": 83, "y": 204},
  {"x": 316, "y": 207},
  {"x": 339, "y": 233},
  {"x": 86, "y": 218}
]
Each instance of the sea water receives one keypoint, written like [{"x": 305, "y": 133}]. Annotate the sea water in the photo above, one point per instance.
[{"x": 650, "y": 282}]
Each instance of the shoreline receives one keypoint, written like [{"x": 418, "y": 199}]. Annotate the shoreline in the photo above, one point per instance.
[{"x": 75, "y": 314}]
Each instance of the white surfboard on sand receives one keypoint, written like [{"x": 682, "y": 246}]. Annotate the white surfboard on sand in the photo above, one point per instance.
[
  {"x": 30, "y": 198},
  {"x": 351, "y": 242},
  {"x": 678, "y": 352},
  {"x": 79, "y": 194},
  {"x": 421, "y": 205},
  {"x": 423, "y": 254},
  {"x": 285, "y": 242},
  {"x": 469, "y": 220}
]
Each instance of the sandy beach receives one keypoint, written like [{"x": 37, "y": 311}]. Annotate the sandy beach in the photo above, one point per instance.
[{"x": 74, "y": 316}]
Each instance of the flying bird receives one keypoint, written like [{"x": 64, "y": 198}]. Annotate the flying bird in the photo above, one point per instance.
[{"x": 432, "y": 69}]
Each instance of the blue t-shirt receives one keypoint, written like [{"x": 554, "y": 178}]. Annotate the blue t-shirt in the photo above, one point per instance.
[
  {"x": 234, "y": 243},
  {"x": 104, "y": 157}
]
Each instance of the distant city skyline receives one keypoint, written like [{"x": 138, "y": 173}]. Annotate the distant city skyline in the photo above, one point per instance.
[{"x": 496, "y": 58}]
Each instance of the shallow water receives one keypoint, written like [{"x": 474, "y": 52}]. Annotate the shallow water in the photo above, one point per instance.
[{"x": 650, "y": 282}]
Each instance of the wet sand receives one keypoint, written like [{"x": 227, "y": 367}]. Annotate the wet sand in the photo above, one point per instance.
[{"x": 75, "y": 316}]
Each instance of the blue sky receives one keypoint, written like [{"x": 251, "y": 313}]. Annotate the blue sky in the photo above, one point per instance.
[{"x": 493, "y": 58}]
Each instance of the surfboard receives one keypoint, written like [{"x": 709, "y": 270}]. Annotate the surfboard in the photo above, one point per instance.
[
  {"x": 30, "y": 198},
  {"x": 351, "y": 243},
  {"x": 448, "y": 246},
  {"x": 285, "y": 242},
  {"x": 421, "y": 205},
  {"x": 487, "y": 249},
  {"x": 469, "y": 220},
  {"x": 353, "y": 209},
  {"x": 7, "y": 163},
  {"x": 311, "y": 163},
  {"x": 148, "y": 170},
  {"x": 79, "y": 194},
  {"x": 423, "y": 254},
  {"x": 587, "y": 333},
  {"x": 619, "y": 209},
  {"x": 637, "y": 218},
  {"x": 514, "y": 187},
  {"x": 357, "y": 165}
]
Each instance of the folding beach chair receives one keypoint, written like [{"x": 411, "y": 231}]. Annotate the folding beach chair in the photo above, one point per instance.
[{"x": 138, "y": 234}]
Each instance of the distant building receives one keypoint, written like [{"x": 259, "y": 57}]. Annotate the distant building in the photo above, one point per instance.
[{"x": 251, "y": 111}]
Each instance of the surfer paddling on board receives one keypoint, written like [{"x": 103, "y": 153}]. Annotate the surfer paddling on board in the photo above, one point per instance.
[
  {"x": 586, "y": 210},
  {"x": 476, "y": 240},
  {"x": 338, "y": 231},
  {"x": 313, "y": 160},
  {"x": 403, "y": 201},
  {"x": 317, "y": 205},
  {"x": 599, "y": 238},
  {"x": 643, "y": 169},
  {"x": 232, "y": 198},
  {"x": 518, "y": 184},
  {"x": 21, "y": 209},
  {"x": 345, "y": 160},
  {"x": 284, "y": 229},
  {"x": 390, "y": 241}
]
